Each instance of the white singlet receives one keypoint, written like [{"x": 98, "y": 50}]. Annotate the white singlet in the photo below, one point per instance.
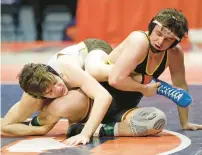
[{"x": 78, "y": 51}]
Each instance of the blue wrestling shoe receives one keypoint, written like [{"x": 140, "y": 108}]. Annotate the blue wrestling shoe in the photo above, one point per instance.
[{"x": 181, "y": 97}]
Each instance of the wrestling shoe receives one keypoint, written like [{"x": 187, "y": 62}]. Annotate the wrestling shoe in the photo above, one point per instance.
[{"x": 179, "y": 96}]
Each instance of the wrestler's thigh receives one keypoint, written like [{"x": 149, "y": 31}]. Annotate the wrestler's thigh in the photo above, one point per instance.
[{"x": 95, "y": 57}]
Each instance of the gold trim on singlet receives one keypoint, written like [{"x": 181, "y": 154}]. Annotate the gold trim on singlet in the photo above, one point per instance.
[
  {"x": 145, "y": 34},
  {"x": 126, "y": 113},
  {"x": 166, "y": 61},
  {"x": 157, "y": 64},
  {"x": 109, "y": 62}
]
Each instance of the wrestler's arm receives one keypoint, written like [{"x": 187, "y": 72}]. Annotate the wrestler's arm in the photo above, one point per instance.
[
  {"x": 97, "y": 66},
  {"x": 177, "y": 71},
  {"x": 134, "y": 50},
  {"x": 12, "y": 122},
  {"x": 102, "y": 99}
]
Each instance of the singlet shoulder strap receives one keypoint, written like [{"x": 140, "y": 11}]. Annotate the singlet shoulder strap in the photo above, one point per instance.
[{"x": 147, "y": 38}]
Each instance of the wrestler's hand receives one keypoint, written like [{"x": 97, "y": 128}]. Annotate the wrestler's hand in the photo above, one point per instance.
[
  {"x": 151, "y": 89},
  {"x": 190, "y": 126},
  {"x": 78, "y": 139}
]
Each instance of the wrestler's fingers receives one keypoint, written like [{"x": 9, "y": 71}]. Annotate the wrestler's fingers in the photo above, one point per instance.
[
  {"x": 68, "y": 142},
  {"x": 199, "y": 127}
]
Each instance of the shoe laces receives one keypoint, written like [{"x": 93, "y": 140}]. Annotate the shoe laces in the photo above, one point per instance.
[{"x": 170, "y": 92}]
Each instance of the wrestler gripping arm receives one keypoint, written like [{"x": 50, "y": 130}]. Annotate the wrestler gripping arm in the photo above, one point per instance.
[
  {"x": 96, "y": 66},
  {"x": 177, "y": 71},
  {"x": 134, "y": 49},
  {"x": 102, "y": 99},
  {"x": 12, "y": 123}
]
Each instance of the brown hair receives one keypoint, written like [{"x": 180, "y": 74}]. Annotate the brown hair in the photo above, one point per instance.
[
  {"x": 34, "y": 79},
  {"x": 173, "y": 20}
]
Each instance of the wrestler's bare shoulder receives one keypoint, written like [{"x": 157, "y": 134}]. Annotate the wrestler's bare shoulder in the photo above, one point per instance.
[
  {"x": 175, "y": 53},
  {"x": 73, "y": 103},
  {"x": 137, "y": 37},
  {"x": 140, "y": 35}
]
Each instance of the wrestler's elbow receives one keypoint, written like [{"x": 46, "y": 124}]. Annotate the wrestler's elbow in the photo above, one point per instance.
[
  {"x": 114, "y": 80},
  {"x": 7, "y": 131},
  {"x": 106, "y": 97},
  {"x": 4, "y": 128},
  {"x": 45, "y": 129}
]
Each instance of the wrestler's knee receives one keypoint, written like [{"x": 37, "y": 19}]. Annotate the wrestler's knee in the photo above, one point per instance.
[{"x": 147, "y": 121}]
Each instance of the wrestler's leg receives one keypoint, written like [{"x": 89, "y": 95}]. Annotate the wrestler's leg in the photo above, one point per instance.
[
  {"x": 136, "y": 122},
  {"x": 96, "y": 60},
  {"x": 141, "y": 122}
]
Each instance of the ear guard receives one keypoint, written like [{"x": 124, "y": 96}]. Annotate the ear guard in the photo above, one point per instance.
[{"x": 153, "y": 23}]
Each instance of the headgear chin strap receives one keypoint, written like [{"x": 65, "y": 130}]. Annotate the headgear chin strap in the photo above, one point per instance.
[
  {"x": 48, "y": 69},
  {"x": 153, "y": 49}
]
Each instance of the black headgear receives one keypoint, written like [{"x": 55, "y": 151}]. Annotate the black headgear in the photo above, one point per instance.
[{"x": 151, "y": 27}]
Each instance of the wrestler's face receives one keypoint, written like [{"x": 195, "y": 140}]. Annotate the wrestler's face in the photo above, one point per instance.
[
  {"x": 160, "y": 38},
  {"x": 57, "y": 89}
]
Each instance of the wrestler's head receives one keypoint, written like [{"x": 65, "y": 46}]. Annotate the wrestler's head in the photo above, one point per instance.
[
  {"x": 167, "y": 29},
  {"x": 41, "y": 81}
]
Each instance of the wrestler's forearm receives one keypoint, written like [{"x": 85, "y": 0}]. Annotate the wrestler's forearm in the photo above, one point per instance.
[
  {"x": 183, "y": 112},
  {"x": 22, "y": 130},
  {"x": 100, "y": 107},
  {"x": 128, "y": 84}
]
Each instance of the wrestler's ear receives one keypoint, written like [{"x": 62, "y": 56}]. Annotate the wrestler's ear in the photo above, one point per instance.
[{"x": 186, "y": 35}]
